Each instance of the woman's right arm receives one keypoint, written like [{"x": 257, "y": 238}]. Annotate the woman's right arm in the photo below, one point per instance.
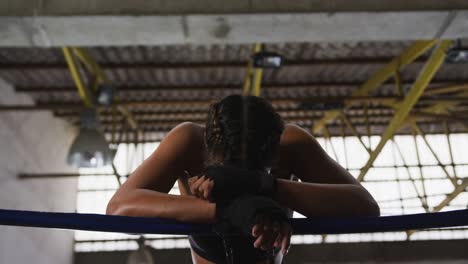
[{"x": 145, "y": 191}]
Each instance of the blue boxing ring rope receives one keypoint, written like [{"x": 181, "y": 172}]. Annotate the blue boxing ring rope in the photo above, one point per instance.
[{"x": 301, "y": 226}]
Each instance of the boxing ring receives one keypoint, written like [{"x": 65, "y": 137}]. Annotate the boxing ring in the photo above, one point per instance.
[{"x": 301, "y": 226}]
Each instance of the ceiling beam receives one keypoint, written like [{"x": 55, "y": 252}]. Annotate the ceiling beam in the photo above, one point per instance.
[
  {"x": 238, "y": 65},
  {"x": 41, "y": 29},
  {"x": 202, "y": 114},
  {"x": 437, "y": 87},
  {"x": 70, "y": 8},
  {"x": 204, "y": 103}
]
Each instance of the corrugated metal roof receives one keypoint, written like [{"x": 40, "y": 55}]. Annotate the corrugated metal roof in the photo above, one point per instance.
[{"x": 195, "y": 74}]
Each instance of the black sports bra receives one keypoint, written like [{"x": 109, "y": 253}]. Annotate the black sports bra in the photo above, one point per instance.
[{"x": 212, "y": 248}]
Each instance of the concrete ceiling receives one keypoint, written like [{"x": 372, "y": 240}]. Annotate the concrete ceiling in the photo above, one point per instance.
[
  {"x": 103, "y": 23},
  {"x": 184, "y": 7}
]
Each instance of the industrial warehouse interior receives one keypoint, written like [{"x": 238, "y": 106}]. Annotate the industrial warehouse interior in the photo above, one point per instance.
[{"x": 89, "y": 90}]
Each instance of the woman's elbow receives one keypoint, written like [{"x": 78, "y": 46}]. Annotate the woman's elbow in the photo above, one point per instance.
[
  {"x": 116, "y": 207},
  {"x": 112, "y": 207},
  {"x": 373, "y": 208},
  {"x": 369, "y": 206}
]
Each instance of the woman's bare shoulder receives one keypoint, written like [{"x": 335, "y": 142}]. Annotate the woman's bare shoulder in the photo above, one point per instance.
[
  {"x": 189, "y": 140},
  {"x": 292, "y": 138},
  {"x": 187, "y": 131},
  {"x": 187, "y": 137},
  {"x": 294, "y": 134},
  {"x": 190, "y": 126}
]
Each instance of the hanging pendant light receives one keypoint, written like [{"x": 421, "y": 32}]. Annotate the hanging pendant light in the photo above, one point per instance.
[{"x": 90, "y": 149}]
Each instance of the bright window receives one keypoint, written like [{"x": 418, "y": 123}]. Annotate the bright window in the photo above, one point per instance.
[{"x": 404, "y": 172}]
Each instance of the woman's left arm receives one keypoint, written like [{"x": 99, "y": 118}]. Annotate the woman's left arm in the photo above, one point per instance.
[{"x": 326, "y": 188}]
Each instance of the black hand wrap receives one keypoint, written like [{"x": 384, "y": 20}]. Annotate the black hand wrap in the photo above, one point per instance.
[
  {"x": 231, "y": 182},
  {"x": 239, "y": 215}
]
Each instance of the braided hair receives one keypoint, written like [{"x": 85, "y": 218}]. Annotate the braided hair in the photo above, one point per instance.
[{"x": 243, "y": 130}]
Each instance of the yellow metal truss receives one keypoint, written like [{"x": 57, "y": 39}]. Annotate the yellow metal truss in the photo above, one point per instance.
[
  {"x": 73, "y": 66},
  {"x": 408, "y": 56},
  {"x": 253, "y": 79},
  {"x": 86, "y": 94},
  {"x": 425, "y": 76}
]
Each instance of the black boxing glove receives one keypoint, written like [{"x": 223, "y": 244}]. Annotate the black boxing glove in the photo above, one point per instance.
[
  {"x": 231, "y": 182},
  {"x": 240, "y": 214}
]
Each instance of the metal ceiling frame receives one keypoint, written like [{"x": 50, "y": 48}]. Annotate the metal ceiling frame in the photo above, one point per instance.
[
  {"x": 402, "y": 114},
  {"x": 414, "y": 51},
  {"x": 404, "y": 108}
]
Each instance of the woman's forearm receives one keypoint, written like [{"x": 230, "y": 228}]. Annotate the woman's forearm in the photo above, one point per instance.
[
  {"x": 149, "y": 203},
  {"x": 312, "y": 199}
]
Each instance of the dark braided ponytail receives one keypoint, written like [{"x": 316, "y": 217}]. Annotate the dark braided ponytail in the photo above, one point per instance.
[
  {"x": 244, "y": 130},
  {"x": 213, "y": 133}
]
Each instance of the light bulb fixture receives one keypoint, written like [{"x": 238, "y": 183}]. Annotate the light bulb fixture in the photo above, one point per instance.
[
  {"x": 265, "y": 59},
  {"x": 457, "y": 54},
  {"x": 142, "y": 255},
  {"x": 90, "y": 149},
  {"x": 105, "y": 95}
]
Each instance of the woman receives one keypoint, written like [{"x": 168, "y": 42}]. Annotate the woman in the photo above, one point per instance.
[{"x": 247, "y": 132}]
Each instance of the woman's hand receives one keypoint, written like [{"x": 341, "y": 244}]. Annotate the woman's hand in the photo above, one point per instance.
[
  {"x": 231, "y": 182},
  {"x": 271, "y": 234},
  {"x": 201, "y": 186}
]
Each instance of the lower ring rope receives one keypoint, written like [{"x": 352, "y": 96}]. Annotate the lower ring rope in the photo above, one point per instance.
[{"x": 301, "y": 226}]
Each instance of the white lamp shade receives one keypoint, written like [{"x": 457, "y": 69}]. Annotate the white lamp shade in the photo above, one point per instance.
[{"x": 90, "y": 150}]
